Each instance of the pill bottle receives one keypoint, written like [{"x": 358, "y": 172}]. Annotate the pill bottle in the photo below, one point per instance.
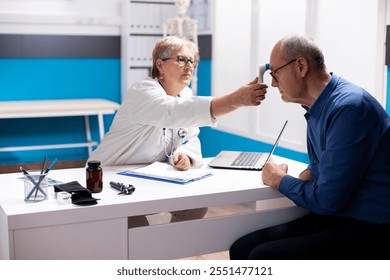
[{"x": 94, "y": 176}]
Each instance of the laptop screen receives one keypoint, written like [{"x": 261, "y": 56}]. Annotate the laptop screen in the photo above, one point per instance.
[{"x": 277, "y": 141}]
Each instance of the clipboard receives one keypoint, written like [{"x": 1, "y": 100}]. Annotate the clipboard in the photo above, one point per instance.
[{"x": 167, "y": 173}]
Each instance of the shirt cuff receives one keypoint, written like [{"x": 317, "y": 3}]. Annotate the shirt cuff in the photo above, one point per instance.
[{"x": 284, "y": 184}]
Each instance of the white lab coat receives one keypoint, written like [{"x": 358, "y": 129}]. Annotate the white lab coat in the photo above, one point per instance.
[{"x": 136, "y": 134}]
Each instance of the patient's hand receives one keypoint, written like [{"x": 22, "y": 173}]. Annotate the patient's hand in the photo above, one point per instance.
[{"x": 273, "y": 173}]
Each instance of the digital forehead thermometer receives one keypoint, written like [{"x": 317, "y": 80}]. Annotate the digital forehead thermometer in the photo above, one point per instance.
[{"x": 262, "y": 70}]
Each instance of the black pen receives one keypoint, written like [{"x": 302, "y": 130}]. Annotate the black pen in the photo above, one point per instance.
[
  {"x": 42, "y": 168},
  {"x": 43, "y": 164},
  {"x": 27, "y": 175}
]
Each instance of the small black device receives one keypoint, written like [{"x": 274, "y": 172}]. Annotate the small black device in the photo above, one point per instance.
[
  {"x": 79, "y": 194},
  {"x": 122, "y": 188}
]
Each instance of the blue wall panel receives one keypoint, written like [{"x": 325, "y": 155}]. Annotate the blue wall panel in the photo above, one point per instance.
[
  {"x": 204, "y": 78},
  {"x": 57, "y": 78}
]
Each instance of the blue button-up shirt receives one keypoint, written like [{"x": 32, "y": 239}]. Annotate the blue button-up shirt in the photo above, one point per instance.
[{"x": 348, "y": 141}]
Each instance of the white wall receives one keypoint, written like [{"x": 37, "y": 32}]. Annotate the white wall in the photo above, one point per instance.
[
  {"x": 73, "y": 17},
  {"x": 350, "y": 32},
  {"x": 353, "y": 41},
  {"x": 79, "y": 17}
]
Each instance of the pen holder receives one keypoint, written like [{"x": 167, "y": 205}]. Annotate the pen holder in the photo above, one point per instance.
[{"x": 35, "y": 186}]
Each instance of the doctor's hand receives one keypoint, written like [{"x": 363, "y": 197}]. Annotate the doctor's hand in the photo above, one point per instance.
[
  {"x": 250, "y": 94},
  {"x": 272, "y": 174},
  {"x": 181, "y": 161}
]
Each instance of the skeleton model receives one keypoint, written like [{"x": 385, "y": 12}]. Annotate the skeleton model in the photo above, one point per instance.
[{"x": 183, "y": 26}]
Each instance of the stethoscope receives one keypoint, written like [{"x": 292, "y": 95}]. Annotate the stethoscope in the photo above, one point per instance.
[{"x": 182, "y": 133}]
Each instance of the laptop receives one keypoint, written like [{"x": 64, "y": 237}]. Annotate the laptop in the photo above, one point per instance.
[{"x": 244, "y": 160}]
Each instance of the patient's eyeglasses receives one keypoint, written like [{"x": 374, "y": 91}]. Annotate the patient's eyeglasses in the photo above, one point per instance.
[
  {"x": 272, "y": 73},
  {"x": 182, "y": 61}
]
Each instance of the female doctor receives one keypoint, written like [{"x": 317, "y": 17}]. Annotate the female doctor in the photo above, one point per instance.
[{"x": 159, "y": 117}]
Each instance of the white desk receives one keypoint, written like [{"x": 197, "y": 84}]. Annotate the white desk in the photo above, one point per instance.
[
  {"x": 59, "y": 108},
  {"x": 48, "y": 230}
]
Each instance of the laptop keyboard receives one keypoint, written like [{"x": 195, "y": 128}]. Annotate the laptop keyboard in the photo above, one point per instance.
[{"x": 246, "y": 159}]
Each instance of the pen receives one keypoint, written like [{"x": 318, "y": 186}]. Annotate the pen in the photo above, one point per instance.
[
  {"x": 51, "y": 166},
  {"x": 27, "y": 175},
  {"x": 36, "y": 184},
  {"x": 42, "y": 168},
  {"x": 43, "y": 164}
]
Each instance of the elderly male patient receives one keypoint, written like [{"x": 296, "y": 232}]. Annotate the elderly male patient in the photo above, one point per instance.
[{"x": 346, "y": 186}]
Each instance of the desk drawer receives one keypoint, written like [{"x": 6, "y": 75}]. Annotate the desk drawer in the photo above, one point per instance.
[{"x": 104, "y": 239}]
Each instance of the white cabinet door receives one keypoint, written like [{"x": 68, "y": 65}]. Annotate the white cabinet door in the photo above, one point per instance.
[{"x": 104, "y": 239}]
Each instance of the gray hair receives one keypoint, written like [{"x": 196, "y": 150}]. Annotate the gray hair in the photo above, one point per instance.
[
  {"x": 295, "y": 46},
  {"x": 168, "y": 45}
]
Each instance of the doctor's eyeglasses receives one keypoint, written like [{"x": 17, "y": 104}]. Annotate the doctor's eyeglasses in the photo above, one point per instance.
[{"x": 182, "y": 61}]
